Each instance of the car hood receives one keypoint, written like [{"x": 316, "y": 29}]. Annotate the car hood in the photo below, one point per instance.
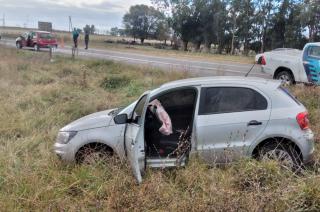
[{"x": 94, "y": 120}]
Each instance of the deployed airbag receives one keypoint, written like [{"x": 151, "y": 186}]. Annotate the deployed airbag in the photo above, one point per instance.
[{"x": 157, "y": 108}]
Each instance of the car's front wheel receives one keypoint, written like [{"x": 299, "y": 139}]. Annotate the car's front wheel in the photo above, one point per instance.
[{"x": 285, "y": 155}]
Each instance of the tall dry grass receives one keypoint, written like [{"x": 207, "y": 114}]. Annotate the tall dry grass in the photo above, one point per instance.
[{"x": 38, "y": 97}]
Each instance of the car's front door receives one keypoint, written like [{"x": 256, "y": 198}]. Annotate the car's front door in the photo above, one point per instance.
[
  {"x": 229, "y": 120},
  {"x": 134, "y": 138}
]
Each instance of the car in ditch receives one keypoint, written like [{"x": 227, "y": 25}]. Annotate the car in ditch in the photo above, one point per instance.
[
  {"x": 293, "y": 65},
  {"x": 221, "y": 119},
  {"x": 37, "y": 40}
]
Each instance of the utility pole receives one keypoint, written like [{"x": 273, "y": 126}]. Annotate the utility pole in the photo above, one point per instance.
[
  {"x": 3, "y": 20},
  {"x": 70, "y": 24}
]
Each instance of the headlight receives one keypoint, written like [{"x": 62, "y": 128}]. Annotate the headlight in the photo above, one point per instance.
[{"x": 65, "y": 137}]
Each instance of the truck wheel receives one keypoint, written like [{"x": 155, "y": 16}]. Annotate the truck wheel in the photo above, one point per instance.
[
  {"x": 286, "y": 77},
  {"x": 285, "y": 155},
  {"x": 36, "y": 47},
  {"x": 18, "y": 45}
]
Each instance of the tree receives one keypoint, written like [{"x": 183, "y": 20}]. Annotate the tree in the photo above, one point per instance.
[
  {"x": 245, "y": 23},
  {"x": 310, "y": 18},
  {"x": 184, "y": 22},
  {"x": 163, "y": 31},
  {"x": 114, "y": 31},
  {"x": 91, "y": 29},
  {"x": 142, "y": 21},
  {"x": 263, "y": 19},
  {"x": 234, "y": 13}
]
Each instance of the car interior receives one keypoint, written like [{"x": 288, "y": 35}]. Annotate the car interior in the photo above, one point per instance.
[{"x": 180, "y": 106}]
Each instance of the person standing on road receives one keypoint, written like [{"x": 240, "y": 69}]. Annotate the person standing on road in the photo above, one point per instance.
[
  {"x": 86, "y": 37},
  {"x": 75, "y": 36}
]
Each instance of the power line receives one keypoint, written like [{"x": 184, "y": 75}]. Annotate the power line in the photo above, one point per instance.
[{"x": 3, "y": 20}]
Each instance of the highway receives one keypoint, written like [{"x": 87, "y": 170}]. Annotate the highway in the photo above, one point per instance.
[{"x": 194, "y": 66}]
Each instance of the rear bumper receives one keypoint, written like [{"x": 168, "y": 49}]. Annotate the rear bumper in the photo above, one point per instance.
[
  {"x": 48, "y": 45},
  {"x": 308, "y": 147}
]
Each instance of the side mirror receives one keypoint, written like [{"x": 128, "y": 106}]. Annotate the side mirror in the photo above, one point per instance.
[{"x": 121, "y": 119}]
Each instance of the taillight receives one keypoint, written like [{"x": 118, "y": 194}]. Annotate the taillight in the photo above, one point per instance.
[
  {"x": 303, "y": 120},
  {"x": 263, "y": 61}
]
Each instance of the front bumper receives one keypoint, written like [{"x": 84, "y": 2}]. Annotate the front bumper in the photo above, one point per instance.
[{"x": 63, "y": 152}]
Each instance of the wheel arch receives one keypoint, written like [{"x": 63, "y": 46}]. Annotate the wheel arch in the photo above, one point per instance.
[
  {"x": 277, "y": 139},
  {"x": 93, "y": 144},
  {"x": 283, "y": 68}
]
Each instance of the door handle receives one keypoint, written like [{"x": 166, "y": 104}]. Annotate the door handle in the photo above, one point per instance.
[{"x": 254, "y": 123}]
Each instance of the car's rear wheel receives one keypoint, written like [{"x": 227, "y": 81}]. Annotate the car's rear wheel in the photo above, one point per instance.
[
  {"x": 36, "y": 47},
  {"x": 93, "y": 154},
  {"x": 286, "y": 77},
  {"x": 18, "y": 45},
  {"x": 285, "y": 155}
]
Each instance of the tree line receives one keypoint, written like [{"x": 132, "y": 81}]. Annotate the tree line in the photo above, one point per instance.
[{"x": 257, "y": 25}]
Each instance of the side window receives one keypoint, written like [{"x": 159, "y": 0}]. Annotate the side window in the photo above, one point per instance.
[
  {"x": 314, "y": 51},
  {"x": 137, "y": 112},
  {"x": 217, "y": 100}
]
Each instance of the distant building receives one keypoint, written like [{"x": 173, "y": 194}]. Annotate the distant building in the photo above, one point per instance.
[{"x": 45, "y": 26}]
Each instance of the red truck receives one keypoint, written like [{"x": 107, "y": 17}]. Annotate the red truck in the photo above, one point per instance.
[{"x": 37, "y": 40}]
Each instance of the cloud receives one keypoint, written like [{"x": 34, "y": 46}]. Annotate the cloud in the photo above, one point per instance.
[{"x": 102, "y": 13}]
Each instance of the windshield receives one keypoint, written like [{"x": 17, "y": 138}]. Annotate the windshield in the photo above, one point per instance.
[
  {"x": 121, "y": 110},
  {"x": 46, "y": 35}
]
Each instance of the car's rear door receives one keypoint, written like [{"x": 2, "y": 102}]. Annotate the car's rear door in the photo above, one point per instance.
[
  {"x": 229, "y": 119},
  {"x": 134, "y": 138}
]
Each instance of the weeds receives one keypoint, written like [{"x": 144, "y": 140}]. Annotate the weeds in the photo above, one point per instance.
[
  {"x": 114, "y": 82},
  {"x": 38, "y": 98}
]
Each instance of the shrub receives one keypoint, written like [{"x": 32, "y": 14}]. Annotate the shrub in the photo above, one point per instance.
[{"x": 114, "y": 82}]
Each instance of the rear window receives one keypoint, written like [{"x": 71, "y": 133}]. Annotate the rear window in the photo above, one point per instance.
[
  {"x": 46, "y": 36},
  {"x": 217, "y": 100},
  {"x": 287, "y": 92}
]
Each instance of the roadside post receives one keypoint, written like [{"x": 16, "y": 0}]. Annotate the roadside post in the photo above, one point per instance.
[{"x": 51, "y": 54}]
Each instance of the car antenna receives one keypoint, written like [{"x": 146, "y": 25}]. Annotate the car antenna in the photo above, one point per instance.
[{"x": 250, "y": 70}]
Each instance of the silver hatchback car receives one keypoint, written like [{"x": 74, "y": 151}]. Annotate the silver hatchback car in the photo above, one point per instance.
[{"x": 221, "y": 119}]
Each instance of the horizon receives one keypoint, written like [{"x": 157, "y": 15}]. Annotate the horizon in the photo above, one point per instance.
[{"x": 103, "y": 14}]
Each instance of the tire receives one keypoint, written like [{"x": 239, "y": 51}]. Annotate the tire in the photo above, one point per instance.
[
  {"x": 286, "y": 77},
  {"x": 286, "y": 155},
  {"x": 93, "y": 154},
  {"x": 36, "y": 47},
  {"x": 18, "y": 45}
]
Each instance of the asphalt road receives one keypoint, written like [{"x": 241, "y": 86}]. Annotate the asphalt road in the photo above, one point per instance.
[{"x": 194, "y": 66}]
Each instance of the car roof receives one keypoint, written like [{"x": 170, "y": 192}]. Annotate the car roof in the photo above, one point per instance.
[
  {"x": 222, "y": 79},
  {"x": 315, "y": 44}
]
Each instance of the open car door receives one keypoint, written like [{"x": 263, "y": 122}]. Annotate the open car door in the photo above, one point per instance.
[{"x": 134, "y": 138}]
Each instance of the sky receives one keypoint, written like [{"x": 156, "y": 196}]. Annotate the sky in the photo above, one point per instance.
[{"x": 104, "y": 14}]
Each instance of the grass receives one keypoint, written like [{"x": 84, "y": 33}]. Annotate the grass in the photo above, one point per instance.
[{"x": 37, "y": 98}]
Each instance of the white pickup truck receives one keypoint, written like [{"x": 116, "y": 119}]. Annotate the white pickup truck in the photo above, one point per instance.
[{"x": 292, "y": 65}]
